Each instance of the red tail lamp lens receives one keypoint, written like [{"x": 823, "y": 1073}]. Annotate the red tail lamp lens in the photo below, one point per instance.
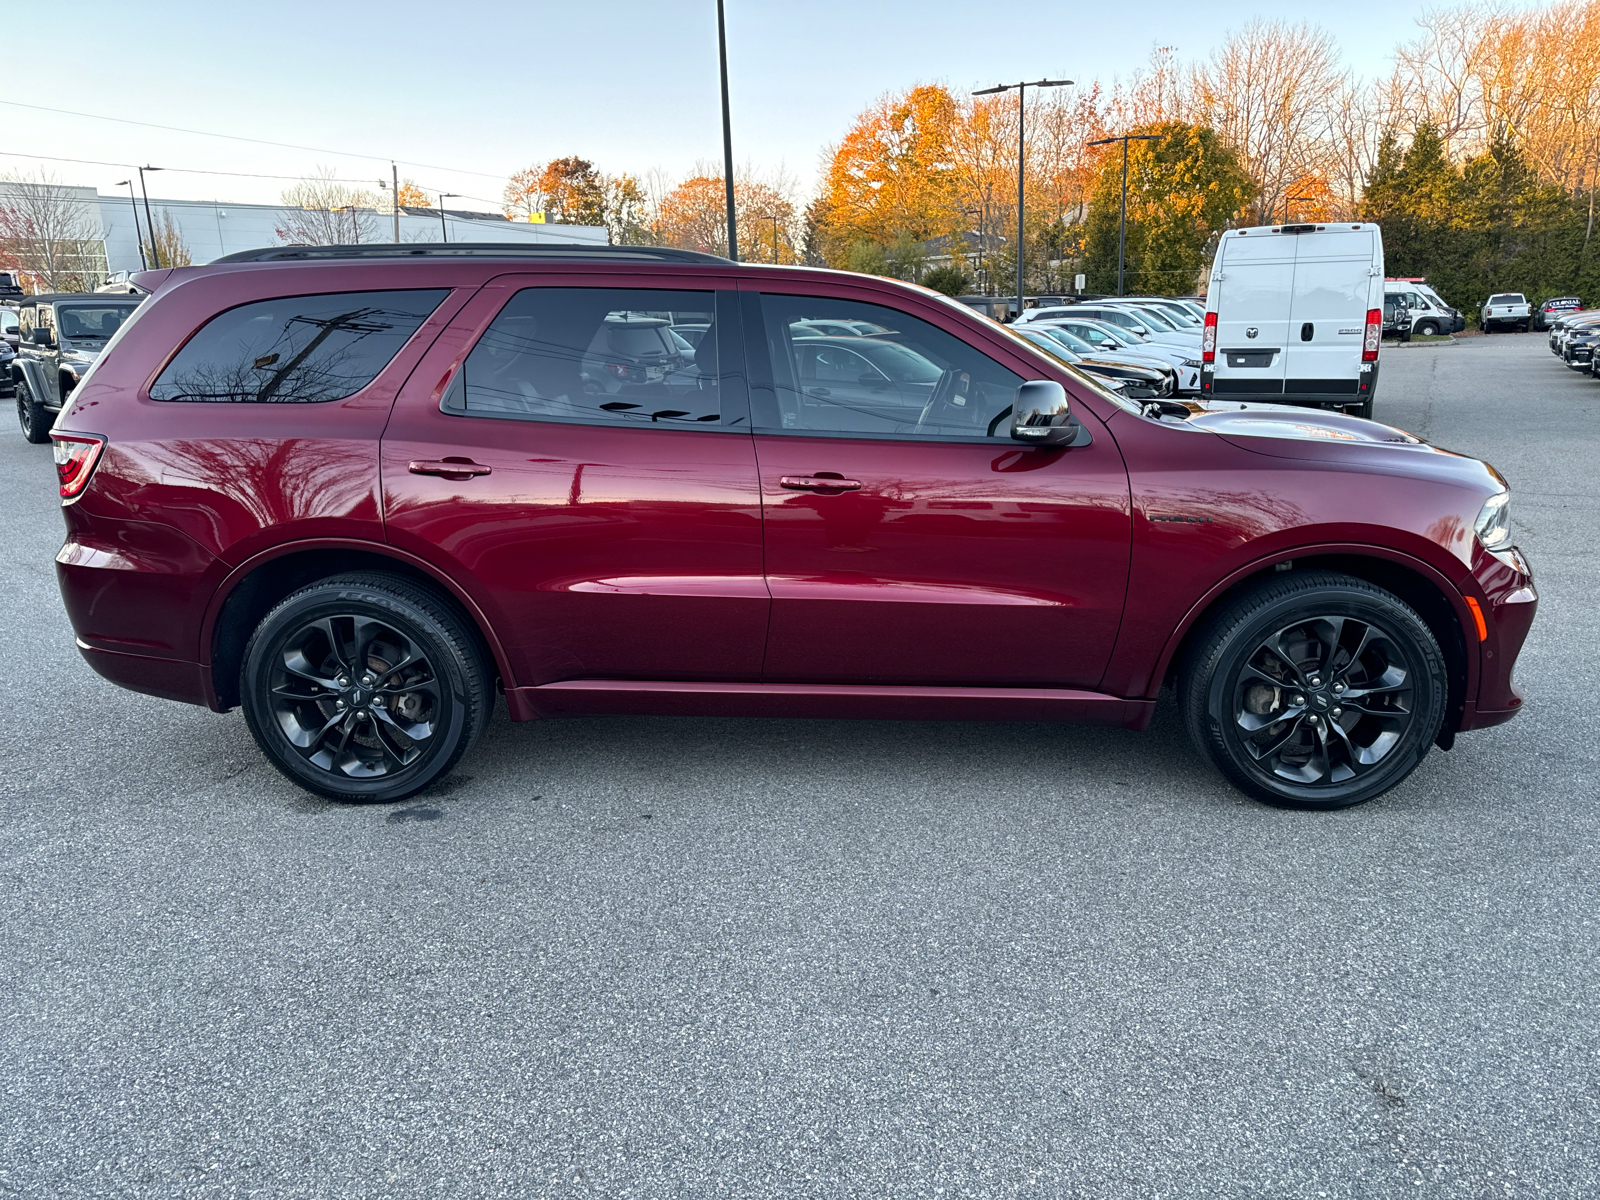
[
  {"x": 76, "y": 456},
  {"x": 1208, "y": 339},
  {"x": 1369, "y": 347}
]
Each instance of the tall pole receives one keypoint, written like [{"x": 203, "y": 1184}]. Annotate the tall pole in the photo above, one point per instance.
[
  {"x": 443, "y": 196},
  {"x": 727, "y": 136},
  {"x": 1021, "y": 161},
  {"x": 1122, "y": 220},
  {"x": 394, "y": 174},
  {"x": 155, "y": 253},
  {"x": 138, "y": 238}
]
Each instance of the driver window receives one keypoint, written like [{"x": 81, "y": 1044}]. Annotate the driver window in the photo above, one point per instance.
[{"x": 910, "y": 379}]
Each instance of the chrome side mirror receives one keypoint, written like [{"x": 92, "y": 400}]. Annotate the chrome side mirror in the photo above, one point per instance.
[{"x": 1041, "y": 414}]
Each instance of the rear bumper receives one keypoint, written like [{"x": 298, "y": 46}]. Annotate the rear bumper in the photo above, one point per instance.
[
  {"x": 1303, "y": 392},
  {"x": 168, "y": 678}
]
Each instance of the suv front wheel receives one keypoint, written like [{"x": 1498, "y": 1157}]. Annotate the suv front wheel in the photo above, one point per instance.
[
  {"x": 31, "y": 415},
  {"x": 1316, "y": 691},
  {"x": 364, "y": 687}
]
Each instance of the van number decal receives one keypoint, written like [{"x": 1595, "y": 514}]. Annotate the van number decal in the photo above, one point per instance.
[{"x": 1357, "y": 332}]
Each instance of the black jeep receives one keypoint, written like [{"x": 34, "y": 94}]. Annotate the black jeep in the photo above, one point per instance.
[{"x": 61, "y": 336}]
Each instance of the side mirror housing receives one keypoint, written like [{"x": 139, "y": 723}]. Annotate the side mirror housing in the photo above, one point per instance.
[
  {"x": 1041, "y": 414},
  {"x": 41, "y": 337}
]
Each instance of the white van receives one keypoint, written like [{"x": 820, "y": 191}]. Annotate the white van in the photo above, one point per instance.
[
  {"x": 1294, "y": 315},
  {"x": 1429, "y": 313}
]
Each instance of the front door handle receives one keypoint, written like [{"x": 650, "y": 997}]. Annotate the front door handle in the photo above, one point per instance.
[
  {"x": 449, "y": 468},
  {"x": 818, "y": 483}
]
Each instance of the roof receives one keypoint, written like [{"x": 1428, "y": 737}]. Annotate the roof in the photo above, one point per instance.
[
  {"x": 470, "y": 250},
  {"x": 97, "y": 297}
]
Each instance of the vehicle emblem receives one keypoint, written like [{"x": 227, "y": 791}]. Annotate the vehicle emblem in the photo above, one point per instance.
[{"x": 1251, "y": 332}]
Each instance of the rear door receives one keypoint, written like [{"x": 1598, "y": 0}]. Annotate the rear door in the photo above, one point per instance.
[
  {"x": 1333, "y": 274},
  {"x": 1251, "y": 290}
]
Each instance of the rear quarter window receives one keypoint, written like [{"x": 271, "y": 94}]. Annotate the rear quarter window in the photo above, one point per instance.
[{"x": 296, "y": 349}]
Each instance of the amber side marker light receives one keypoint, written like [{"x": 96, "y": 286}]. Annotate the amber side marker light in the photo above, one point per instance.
[
  {"x": 76, "y": 456},
  {"x": 1477, "y": 617}
]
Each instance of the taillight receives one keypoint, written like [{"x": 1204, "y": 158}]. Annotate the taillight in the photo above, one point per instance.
[
  {"x": 1208, "y": 339},
  {"x": 1369, "y": 346},
  {"x": 76, "y": 456}
]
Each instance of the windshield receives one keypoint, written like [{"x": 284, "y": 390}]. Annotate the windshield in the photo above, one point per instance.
[
  {"x": 83, "y": 323},
  {"x": 1156, "y": 318},
  {"x": 1070, "y": 340}
]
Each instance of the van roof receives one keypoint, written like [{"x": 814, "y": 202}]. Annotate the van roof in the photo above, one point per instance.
[{"x": 1323, "y": 227}]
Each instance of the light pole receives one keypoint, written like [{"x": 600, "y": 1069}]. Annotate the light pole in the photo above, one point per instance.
[
  {"x": 727, "y": 137},
  {"x": 148, "y": 220},
  {"x": 1287, "y": 200},
  {"x": 1021, "y": 90},
  {"x": 1122, "y": 223},
  {"x": 443, "y": 196},
  {"x": 138, "y": 239},
  {"x": 976, "y": 212},
  {"x": 773, "y": 217}
]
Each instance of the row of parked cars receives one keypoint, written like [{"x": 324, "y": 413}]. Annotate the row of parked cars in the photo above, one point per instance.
[{"x": 1574, "y": 334}]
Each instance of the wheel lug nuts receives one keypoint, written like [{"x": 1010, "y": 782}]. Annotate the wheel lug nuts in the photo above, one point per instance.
[
  {"x": 1338, "y": 712},
  {"x": 338, "y": 703},
  {"x": 1299, "y": 699}
]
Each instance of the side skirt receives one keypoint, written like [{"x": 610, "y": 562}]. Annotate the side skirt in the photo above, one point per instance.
[{"x": 817, "y": 700}]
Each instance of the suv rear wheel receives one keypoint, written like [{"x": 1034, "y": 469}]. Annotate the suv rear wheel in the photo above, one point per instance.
[
  {"x": 31, "y": 415},
  {"x": 364, "y": 687},
  {"x": 1316, "y": 691}
]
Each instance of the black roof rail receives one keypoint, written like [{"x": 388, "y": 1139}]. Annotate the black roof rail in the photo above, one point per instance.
[{"x": 471, "y": 250}]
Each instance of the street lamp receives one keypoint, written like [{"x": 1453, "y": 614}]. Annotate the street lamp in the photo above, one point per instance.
[
  {"x": 727, "y": 137},
  {"x": 148, "y": 220},
  {"x": 1122, "y": 224},
  {"x": 773, "y": 217},
  {"x": 1021, "y": 90},
  {"x": 978, "y": 213},
  {"x": 1287, "y": 200},
  {"x": 443, "y": 196},
  {"x": 138, "y": 240}
]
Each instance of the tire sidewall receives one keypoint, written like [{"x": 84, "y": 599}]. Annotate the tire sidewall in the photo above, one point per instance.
[
  {"x": 1424, "y": 662},
  {"x": 343, "y": 599}
]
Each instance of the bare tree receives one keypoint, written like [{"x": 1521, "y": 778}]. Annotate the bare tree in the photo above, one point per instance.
[
  {"x": 322, "y": 211},
  {"x": 173, "y": 250},
  {"x": 48, "y": 230},
  {"x": 1272, "y": 92}
]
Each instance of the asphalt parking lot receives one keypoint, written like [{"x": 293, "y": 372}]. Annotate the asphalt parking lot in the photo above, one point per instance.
[{"x": 686, "y": 958}]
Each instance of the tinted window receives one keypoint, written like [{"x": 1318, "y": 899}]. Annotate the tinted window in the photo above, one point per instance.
[
  {"x": 1507, "y": 298},
  {"x": 296, "y": 349},
  {"x": 910, "y": 380},
  {"x": 599, "y": 356},
  {"x": 91, "y": 323}
]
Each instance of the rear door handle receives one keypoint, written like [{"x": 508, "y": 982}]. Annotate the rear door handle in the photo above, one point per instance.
[
  {"x": 450, "y": 468},
  {"x": 818, "y": 483}
]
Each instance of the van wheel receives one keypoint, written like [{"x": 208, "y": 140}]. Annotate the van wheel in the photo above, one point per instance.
[
  {"x": 364, "y": 687},
  {"x": 1362, "y": 410},
  {"x": 31, "y": 415},
  {"x": 1314, "y": 691},
  {"x": 1428, "y": 329}
]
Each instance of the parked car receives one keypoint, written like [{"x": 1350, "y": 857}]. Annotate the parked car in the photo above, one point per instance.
[
  {"x": 996, "y": 308},
  {"x": 1180, "y": 314},
  {"x": 120, "y": 282},
  {"x": 1506, "y": 310},
  {"x": 1294, "y": 314},
  {"x": 290, "y": 484},
  {"x": 1104, "y": 337},
  {"x": 62, "y": 334},
  {"x": 1430, "y": 315},
  {"x": 10, "y": 332},
  {"x": 10, "y": 287},
  {"x": 1165, "y": 371},
  {"x": 7, "y": 356},
  {"x": 1396, "y": 317},
  {"x": 1558, "y": 306},
  {"x": 1136, "y": 383},
  {"x": 1563, "y": 328},
  {"x": 1577, "y": 349}
]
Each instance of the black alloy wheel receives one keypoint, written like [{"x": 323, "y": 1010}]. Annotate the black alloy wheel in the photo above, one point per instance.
[
  {"x": 364, "y": 687},
  {"x": 1315, "y": 690},
  {"x": 35, "y": 421}
]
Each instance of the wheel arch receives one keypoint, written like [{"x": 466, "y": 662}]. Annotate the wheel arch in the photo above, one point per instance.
[
  {"x": 252, "y": 588},
  {"x": 1425, "y": 589}
]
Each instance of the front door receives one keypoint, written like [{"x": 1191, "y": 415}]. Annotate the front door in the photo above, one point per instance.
[
  {"x": 908, "y": 539},
  {"x": 588, "y": 479}
]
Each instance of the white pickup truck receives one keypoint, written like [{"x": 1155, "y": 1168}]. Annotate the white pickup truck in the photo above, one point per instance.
[{"x": 1506, "y": 309}]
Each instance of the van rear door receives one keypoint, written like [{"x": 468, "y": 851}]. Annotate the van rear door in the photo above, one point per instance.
[
  {"x": 1248, "y": 294},
  {"x": 1333, "y": 276}
]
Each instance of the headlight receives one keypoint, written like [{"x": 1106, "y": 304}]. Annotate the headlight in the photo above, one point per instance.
[
  {"x": 1493, "y": 525},
  {"x": 1194, "y": 364}
]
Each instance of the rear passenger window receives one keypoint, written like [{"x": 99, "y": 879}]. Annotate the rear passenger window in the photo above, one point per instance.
[
  {"x": 296, "y": 349},
  {"x": 601, "y": 356}
]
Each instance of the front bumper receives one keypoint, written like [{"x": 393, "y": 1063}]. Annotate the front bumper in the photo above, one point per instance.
[{"x": 1508, "y": 601}]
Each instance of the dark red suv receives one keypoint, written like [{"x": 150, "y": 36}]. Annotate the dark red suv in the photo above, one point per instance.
[{"x": 355, "y": 490}]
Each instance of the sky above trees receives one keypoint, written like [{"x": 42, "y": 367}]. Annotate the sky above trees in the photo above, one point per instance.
[{"x": 466, "y": 97}]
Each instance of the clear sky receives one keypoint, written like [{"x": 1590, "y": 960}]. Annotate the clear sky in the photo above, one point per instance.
[{"x": 462, "y": 95}]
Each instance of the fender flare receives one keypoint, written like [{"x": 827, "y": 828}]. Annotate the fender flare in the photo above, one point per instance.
[
  {"x": 1446, "y": 586},
  {"x": 242, "y": 570},
  {"x": 28, "y": 369}
]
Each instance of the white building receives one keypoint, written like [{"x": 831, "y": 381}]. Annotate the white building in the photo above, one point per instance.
[{"x": 213, "y": 228}]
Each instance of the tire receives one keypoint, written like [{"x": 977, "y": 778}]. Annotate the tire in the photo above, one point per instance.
[
  {"x": 31, "y": 415},
  {"x": 1428, "y": 329},
  {"x": 316, "y": 723},
  {"x": 1233, "y": 681}
]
